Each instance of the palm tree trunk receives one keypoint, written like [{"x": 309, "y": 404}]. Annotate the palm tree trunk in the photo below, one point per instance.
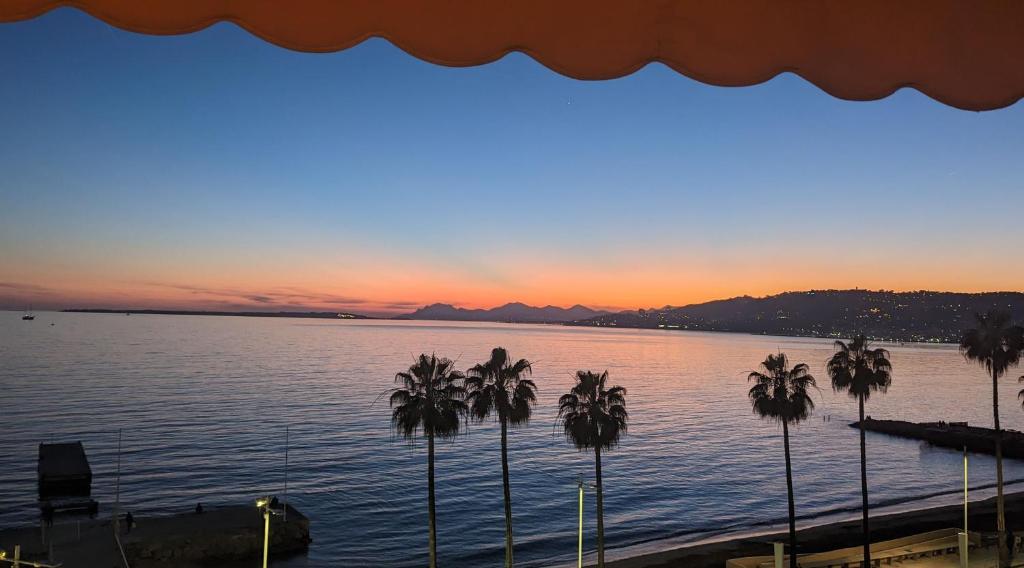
[
  {"x": 1004, "y": 556},
  {"x": 432, "y": 539},
  {"x": 508, "y": 494},
  {"x": 792, "y": 507},
  {"x": 864, "y": 486},
  {"x": 600, "y": 509}
]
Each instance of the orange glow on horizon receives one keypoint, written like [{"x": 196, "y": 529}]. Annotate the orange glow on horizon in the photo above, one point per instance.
[{"x": 389, "y": 286}]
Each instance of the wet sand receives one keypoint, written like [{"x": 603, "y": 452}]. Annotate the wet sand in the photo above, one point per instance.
[{"x": 982, "y": 517}]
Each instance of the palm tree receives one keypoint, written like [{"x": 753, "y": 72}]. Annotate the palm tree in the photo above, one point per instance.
[
  {"x": 500, "y": 388},
  {"x": 996, "y": 345},
  {"x": 594, "y": 417},
  {"x": 859, "y": 370},
  {"x": 780, "y": 394},
  {"x": 430, "y": 398}
]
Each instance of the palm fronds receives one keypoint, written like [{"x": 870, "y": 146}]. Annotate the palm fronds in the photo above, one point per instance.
[
  {"x": 592, "y": 415},
  {"x": 779, "y": 393},
  {"x": 430, "y": 397}
]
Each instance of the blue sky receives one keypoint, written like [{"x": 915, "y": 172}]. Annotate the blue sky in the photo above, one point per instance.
[{"x": 135, "y": 167}]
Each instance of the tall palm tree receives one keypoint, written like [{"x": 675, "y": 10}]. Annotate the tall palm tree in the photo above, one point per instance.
[
  {"x": 859, "y": 370},
  {"x": 429, "y": 398},
  {"x": 594, "y": 416},
  {"x": 781, "y": 394},
  {"x": 500, "y": 388},
  {"x": 996, "y": 345}
]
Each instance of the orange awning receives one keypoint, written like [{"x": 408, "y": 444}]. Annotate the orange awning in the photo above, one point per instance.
[{"x": 965, "y": 53}]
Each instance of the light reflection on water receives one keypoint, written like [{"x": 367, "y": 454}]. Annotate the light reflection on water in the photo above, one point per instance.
[{"x": 202, "y": 403}]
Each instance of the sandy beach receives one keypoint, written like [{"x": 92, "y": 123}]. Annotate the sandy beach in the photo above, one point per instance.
[{"x": 982, "y": 517}]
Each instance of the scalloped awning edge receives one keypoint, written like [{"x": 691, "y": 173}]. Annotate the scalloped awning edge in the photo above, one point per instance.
[{"x": 966, "y": 55}]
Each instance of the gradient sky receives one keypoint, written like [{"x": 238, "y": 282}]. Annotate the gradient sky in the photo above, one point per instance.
[{"x": 216, "y": 171}]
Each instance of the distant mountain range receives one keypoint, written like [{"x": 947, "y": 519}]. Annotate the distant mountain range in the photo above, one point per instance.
[
  {"x": 902, "y": 316},
  {"x": 513, "y": 312},
  {"x": 885, "y": 315}
]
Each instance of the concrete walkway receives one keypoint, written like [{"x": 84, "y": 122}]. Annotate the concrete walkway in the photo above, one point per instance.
[{"x": 979, "y": 558}]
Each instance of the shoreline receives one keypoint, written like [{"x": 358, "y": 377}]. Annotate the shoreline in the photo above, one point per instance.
[
  {"x": 831, "y": 535},
  {"x": 912, "y": 342},
  {"x": 352, "y": 316}
]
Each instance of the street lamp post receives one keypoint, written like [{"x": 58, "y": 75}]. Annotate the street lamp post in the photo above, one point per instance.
[
  {"x": 579, "y": 548},
  {"x": 264, "y": 505},
  {"x": 266, "y": 535},
  {"x": 965, "y": 539}
]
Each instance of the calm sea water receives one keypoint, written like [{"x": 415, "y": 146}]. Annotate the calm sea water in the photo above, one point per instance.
[{"x": 203, "y": 402}]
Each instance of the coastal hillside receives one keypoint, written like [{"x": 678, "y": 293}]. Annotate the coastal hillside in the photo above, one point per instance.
[
  {"x": 902, "y": 316},
  {"x": 512, "y": 312}
]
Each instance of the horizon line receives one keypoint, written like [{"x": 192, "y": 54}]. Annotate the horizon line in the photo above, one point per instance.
[{"x": 377, "y": 314}]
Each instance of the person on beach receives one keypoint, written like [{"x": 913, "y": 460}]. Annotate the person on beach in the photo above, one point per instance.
[
  {"x": 199, "y": 508},
  {"x": 129, "y": 522}
]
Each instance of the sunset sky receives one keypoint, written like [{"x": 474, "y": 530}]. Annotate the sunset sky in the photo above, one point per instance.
[{"x": 216, "y": 171}]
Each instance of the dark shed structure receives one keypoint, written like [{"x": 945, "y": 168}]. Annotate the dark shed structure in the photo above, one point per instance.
[{"x": 64, "y": 471}]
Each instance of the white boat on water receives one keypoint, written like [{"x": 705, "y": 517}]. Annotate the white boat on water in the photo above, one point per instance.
[{"x": 28, "y": 314}]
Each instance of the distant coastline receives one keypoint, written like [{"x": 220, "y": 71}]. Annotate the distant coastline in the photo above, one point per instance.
[
  {"x": 405, "y": 318},
  {"x": 882, "y": 315},
  {"x": 308, "y": 315}
]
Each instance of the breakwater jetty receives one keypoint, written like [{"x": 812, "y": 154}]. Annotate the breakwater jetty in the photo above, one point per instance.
[
  {"x": 224, "y": 534},
  {"x": 217, "y": 536},
  {"x": 955, "y": 435}
]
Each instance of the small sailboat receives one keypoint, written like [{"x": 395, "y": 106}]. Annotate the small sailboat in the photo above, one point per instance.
[{"x": 29, "y": 316}]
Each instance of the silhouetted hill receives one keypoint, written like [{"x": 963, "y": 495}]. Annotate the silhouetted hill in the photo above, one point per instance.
[
  {"x": 513, "y": 312},
  {"x": 904, "y": 316}
]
